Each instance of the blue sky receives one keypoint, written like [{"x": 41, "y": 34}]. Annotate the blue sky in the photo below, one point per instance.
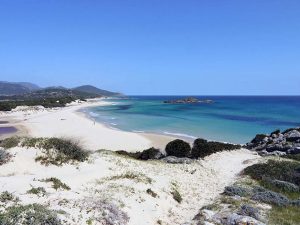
[{"x": 155, "y": 46}]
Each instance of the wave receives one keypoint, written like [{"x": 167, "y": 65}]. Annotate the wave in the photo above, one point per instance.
[
  {"x": 114, "y": 124},
  {"x": 92, "y": 114},
  {"x": 138, "y": 131},
  {"x": 179, "y": 135}
]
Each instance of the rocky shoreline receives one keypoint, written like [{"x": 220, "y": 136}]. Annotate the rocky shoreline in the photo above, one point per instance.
[{"x": 277, "y": 143}]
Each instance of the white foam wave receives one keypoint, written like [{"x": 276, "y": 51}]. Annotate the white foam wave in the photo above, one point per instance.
[
  {"x": 179, "y": 135},
  {"x": 92, "y": 114}
]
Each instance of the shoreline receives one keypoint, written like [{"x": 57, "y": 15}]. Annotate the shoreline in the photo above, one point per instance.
[{"x": 58, "y": 122}]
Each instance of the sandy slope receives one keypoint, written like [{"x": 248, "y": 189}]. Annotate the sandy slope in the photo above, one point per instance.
[
  {"x": 67, "y": 122},
  {"x": 102, "y": 178}
]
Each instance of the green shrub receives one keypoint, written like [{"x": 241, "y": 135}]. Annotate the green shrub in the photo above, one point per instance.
[
  {"x": 56, "y": 183},
  {"x": 5, "y": 157},
  {"x": 34, "y": 214},
  {"x": 275, "y": 170},
  {"x": 58, "y": 151},
  {"x": 178, "y": 148},
  {"x": 176, "y": 195},
  {"x": 31, "y": 142},
  {"x": 203, "y": 148},
  {"x": 40, "y": 191},
  {"x": 10, "y": 142},
  {"x": 6, "y": 197}
]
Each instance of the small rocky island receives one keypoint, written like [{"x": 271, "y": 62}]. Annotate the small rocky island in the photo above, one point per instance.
[{"x": 188, "y": 100}]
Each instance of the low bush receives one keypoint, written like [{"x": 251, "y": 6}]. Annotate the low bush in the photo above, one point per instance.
[
  {"x": 56, "y": 183},
  {"x": 271, "y": 197},
  {"x": 34, "y": 214},
  {"x": 5, "y": 157},
  {"x": 10, "y": 142},
  {"x": 202, "y": 148},
  {"x": 6, "y": 197},
  {"x": 275, "y": 170},
  {"x": 178, "y": 148},
  {"x": 237, "y": 190},
  {"x": 151, "y": 153},
  {"x": 176, "y": 195},
  {"x": 39, "y": 191},
  {"x": 58, "y": 151}
]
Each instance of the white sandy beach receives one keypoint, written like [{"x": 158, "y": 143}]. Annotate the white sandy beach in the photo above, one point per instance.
[{"x": 68, "y": 122}]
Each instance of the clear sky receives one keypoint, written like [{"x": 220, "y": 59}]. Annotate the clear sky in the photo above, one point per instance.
[{"x": 154, "y": 46}]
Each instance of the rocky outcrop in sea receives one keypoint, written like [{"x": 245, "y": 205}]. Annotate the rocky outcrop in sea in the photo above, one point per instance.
[{"x": 188, "y": 101}]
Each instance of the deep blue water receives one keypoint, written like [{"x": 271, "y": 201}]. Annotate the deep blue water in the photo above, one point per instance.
[
  {"x": 7, "y": 130},
  {"x": 230, "y": 118}
]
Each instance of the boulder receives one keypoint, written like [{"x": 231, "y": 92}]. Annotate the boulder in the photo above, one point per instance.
[
  {"x": 292, "y": 135},
  {"x": 178, "y": 148},
  {"x": 247, "y": 210},
  {"x": 235, "y": 219},
  {"x": 151, "y": 153}
]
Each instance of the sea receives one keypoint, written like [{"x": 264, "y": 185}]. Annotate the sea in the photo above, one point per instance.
[{"x": 234, "y": 119}]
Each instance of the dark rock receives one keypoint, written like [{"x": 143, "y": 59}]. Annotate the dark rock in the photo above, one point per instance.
[
  {"x": 259, "y": 138},
  {"x": 295, "y": 202},
  {"x": 271, "y": 197},
  {"x": 235, "y": 219},
  {"x": 292, "y": 135},
  {"x": 247, "y": 210},
  {"x": 294, "y": 151},
  {"x": 202, "y": 148},
  {"x": 276, "y": 132},
  {"x": 151, "y": 153},
  {"x": 278, "y": 147},
  {"x": 178, "y": 148}
]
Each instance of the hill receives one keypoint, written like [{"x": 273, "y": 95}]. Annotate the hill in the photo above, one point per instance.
[
  {"x": 94, "y": 90},
  {"x": 16, "y": 88}
]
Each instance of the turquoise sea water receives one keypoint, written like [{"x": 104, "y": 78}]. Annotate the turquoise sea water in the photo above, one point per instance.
[{"x": 230, "y": 118}]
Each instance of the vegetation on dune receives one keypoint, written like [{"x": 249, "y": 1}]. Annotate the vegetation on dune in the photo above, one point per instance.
[
  {"x": 178, "y": 148},
  {"x": 39, "y": 191},
  {"x": 275, "y": 170},
  {"x": 5, "y": 157},
  {"x": 59, "y": 151},
  {"x": 203, "y": 148},
  {"x": 7, "y": 197},
  {"x": 47, "y": 103},
  {"x": 57, "y": 184},
  {"x": 175, "y": 193},
  {"x": 288, "y": 215},
  {"x": 33, "y": 214},
  {"x": 10, "y": 142},
  {"x": 138, "y": 177}
]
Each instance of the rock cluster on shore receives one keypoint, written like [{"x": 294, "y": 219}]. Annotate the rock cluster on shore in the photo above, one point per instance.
[{"x": 277, "y": 143}]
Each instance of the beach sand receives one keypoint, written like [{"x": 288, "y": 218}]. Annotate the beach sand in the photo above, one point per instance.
[{"x": 70, "y": 123}]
